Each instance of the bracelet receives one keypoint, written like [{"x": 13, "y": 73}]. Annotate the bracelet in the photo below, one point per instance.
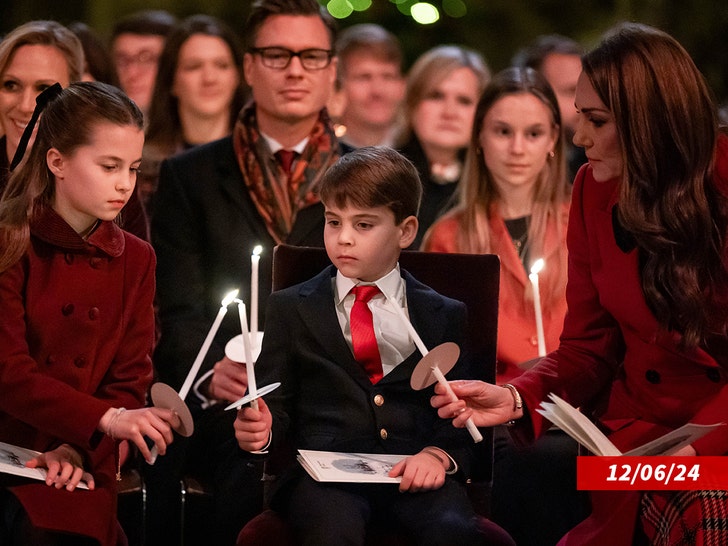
[
  {"x": 433, "y": 453},
  {"x": 112, "y": 422},
  {"x": 517, "y": 400}
]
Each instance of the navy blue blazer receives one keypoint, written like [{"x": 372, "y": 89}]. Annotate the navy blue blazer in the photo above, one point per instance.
[{"x": 326, "y": 401}]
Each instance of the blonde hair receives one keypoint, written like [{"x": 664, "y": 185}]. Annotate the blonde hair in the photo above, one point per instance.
[
  {"x": 431, "y": 69},
  {"x": 48, "y": 33}
]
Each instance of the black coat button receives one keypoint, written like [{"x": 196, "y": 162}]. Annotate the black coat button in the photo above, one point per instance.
[
  {"x": 67, "y": 309},
  {"x": 713, "y": 374},
  {"x": 652, "y": 376}
]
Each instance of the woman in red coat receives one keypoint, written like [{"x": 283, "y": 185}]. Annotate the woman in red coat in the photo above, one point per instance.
[
  {"x": 644, "y": 341},
  {"x": 77, "y": 324}
]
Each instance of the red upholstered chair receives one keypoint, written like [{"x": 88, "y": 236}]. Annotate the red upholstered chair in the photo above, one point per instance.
[{"x": 472, "y": 279}]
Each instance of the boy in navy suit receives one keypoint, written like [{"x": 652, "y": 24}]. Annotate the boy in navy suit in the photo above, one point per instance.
[{"x": 339, "y": 394}]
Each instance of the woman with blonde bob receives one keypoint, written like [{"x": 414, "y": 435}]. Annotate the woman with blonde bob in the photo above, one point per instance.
[
  {"x": 33, "y": 57},
  {"x": 443, "y": 87}
]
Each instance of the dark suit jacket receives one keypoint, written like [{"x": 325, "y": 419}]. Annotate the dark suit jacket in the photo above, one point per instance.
[
  {"x": 204, "y": 228},
  {"x": 326, "y": 401}
]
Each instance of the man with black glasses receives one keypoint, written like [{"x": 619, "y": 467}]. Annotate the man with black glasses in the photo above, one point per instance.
[{"x": 214, "y": 204}]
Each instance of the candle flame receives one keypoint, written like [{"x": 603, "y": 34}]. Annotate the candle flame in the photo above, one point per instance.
[
  {"x": 537, "y": 266},
  {"x": 229, "y": 297},
  {"x": 257, "y": 250}
]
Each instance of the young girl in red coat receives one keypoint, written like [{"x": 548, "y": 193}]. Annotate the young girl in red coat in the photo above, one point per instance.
[{"x": 77, "y": 321}]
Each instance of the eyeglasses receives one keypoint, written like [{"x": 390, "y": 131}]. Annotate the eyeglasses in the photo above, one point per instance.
[
  {"x": 280, "y": 57},
  {"x": 143, "y": 58}
]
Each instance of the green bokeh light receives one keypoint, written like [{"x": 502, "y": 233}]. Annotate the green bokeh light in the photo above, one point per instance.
[
  {"x": 454, "y": 8},
  {"x": 340, "y": 9},
  {"x": 361, "y": 5},
  {"x": 424, "y": 13}
]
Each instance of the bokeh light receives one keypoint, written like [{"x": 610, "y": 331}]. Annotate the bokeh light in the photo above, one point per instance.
[
  {"x": 361, "y": 5},
  {"x": 424, "y": 13},
  {"x": 454, "y": 8},
  {"x": 340, "y": 9}
]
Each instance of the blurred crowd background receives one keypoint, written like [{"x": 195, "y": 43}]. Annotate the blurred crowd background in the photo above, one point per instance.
[{"x": 496, "y": 28}]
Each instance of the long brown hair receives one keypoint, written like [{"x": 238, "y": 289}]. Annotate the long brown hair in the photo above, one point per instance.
[
  {"x": 165, "y": 127},
  {"x": 67, "y": 124},
  {"x": 477, "y": 193},
  {"x": 667, "y": 124}
]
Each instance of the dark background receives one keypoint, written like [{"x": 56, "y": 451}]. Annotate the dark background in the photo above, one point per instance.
[{"x": 496, "y": 28}]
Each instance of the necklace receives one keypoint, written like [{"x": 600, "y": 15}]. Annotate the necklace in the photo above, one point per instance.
[{"x": 518, "y": 231}]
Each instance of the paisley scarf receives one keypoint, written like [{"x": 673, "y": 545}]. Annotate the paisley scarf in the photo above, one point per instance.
[{"x": 278, "y": 197}]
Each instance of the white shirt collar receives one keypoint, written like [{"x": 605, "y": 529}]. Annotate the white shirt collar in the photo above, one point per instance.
[
  {"x": 390, "y": 285},
  {"x": 274, "y": 145}
]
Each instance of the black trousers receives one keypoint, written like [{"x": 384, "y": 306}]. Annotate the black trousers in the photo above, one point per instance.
[
  {"x": 213, "y": 457},
  {"x": 338, "y": 514},
  {"x": 534, "y": 494}
]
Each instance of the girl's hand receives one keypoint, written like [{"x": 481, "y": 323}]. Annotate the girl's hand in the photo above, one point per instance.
[
  {"x": 252, "y": 427},
  {"x": 65, "y": 467},
  {"x": 421, "y": 472},
  {"x": 134, "y": 425}
]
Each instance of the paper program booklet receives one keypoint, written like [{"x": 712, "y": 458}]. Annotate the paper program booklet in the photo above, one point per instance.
[
  {"x": 580, "y": 428},
  {"x": 332, "y": 466},
  {"x": 13, "y": 459}
]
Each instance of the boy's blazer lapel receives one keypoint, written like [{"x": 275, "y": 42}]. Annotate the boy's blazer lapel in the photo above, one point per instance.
[
  {"x": 424, "y": 305},
  {"x": 316, "y": 306}
]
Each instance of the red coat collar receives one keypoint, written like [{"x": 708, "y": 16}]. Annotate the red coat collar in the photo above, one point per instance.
[{"x": 48, "y": 226}]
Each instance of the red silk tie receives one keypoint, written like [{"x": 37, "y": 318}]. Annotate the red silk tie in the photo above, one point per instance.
[
  {"x": 363, "y": 339},
  {"x": 285, "y": 158}
]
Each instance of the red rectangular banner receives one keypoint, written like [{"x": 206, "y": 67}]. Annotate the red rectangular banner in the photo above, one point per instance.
[{"x": 651, "y": 473}]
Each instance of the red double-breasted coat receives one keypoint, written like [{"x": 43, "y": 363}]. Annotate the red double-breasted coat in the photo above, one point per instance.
[
  {"x": 76, "y": 333},
  {"x": 613, "y": 349}
]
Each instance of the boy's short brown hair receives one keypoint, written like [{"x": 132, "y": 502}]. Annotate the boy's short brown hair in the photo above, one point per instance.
[{"x": 374, "y": 176}]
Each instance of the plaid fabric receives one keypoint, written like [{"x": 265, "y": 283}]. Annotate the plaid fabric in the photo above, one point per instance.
[{"x": 685, "y": 518}]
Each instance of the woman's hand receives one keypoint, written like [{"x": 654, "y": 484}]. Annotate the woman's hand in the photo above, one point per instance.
[
  {"x": 486, "y": 404},
  {"x": 65, "y": 467}
]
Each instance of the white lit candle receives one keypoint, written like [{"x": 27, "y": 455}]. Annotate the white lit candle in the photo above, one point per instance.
[
  {"x": 254, "y": 288},
  {"x": 533, "y": 277},
  {"x": 469, "y": 424},
  {"x": 227, "y": 300},
  {"x": 247, "y": 347}
]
